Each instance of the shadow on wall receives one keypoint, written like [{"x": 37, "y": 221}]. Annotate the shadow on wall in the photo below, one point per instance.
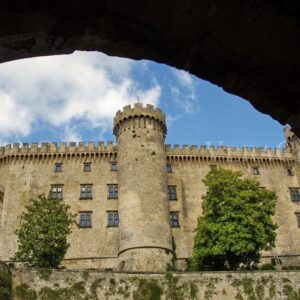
[
  {"x": 1, "y": 202},
  {"x": 5, "y": 282},
  {"x": 1, "y": 193}
]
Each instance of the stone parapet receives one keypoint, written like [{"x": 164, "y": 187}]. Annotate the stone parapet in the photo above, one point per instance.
[
  {"x": 203, "y": 150},
  {"x": 45, "y": 148},
  {"x": 224, "y": 151},
  {"x": 139, "y": 110},
  {"x": 131, "y": 117},
  {"x": 49, "y": 151}
]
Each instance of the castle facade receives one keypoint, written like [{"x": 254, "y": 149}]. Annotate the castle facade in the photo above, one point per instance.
[{"x": 138, "y": 202}]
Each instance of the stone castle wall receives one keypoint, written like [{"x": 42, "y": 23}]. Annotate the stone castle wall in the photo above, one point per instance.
[
  {"x": 28, "y": 171},
  {"x": 92, "y": 284},
  {"x": 188, "y": 172},
  {"x": 24, "y": 177}
]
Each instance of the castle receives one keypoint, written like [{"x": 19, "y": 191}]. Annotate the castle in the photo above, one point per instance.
[{"x": 138, "y": 202}]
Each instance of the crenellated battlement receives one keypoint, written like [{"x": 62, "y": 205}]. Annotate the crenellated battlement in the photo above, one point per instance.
[
  {"x": 138, "y": 109},
  {"x": 49, "y": 148},
  {"x": 26, "y": 149},
  {"x": 229, "y": 152},
  {"x": 137, "y": 115}
]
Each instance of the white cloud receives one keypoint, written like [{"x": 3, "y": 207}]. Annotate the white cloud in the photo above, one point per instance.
[
  {"x": 63, "y": 90},
  {"x": 172, "y": 118},
  {"x": 186, "y": 101},
  {"x": 13, "y": 118},
  {"x": 184, "y": 78},
  {"x": 185, "y": 96},
  {"x": 71, "y": 133}
]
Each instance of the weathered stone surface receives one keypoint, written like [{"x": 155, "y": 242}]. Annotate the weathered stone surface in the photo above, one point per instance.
[
  {"x": 139, "y": 286},
  {"x": 144, "y": 240},
  {"x": 250, "y": 48}
]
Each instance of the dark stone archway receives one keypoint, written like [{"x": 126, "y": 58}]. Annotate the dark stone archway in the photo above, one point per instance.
[{"x": 250, "y": 48}]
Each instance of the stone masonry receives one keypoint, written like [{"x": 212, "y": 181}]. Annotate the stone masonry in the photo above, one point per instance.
[
  {"x": 94, "y": 284},
  {"x": 139, "y": 201}
]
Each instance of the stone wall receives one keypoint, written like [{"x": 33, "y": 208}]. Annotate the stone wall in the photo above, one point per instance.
[
  {"x": 189, "y": 171},
  {"x": 26, "y": 178},
  {"x": 141, "y": 205},
  {"x": 92, "y": 284},
  {"x": 28, "y": 172}
]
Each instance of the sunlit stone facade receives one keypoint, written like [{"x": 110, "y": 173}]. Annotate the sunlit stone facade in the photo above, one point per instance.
[{"x": 138, "y": 201}]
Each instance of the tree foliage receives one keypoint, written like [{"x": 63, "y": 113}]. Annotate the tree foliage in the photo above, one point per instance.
[
  {"x": 236, "y": 223},
  {"x": 42, "y": 235}
]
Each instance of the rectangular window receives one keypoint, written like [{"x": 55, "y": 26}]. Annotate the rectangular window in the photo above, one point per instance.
[
  {"x": 56, "y": 191},
  {"x": 112, "y": 191},
  {"x": 85, "y": 219},
  {"x": 169, "y": 168},
  {"x": 1, "y": 196},
  {"x": 255, "y": 170},
  {"x": 213, "y": 167},
  {"x": 172, "y": 192},
  {"x": 294, "y": 192},
  {"x": 87, "y": 167},
  {"x": 58, "y": 168},
  {"x": 298, "y": 219},
  {"x": 290, "y": 172},
  {"x": 113, "y": 219},
  {"x": 86, "y": 191},
  {"x": 174, "y": 219},
  {"x": 113, "y": 167}
]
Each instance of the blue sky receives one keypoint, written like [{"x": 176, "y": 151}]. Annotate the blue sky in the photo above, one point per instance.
[{"x": 74, "y": 98}]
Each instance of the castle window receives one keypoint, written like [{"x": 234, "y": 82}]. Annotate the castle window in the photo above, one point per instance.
[
  {"x": 113, "y": 219},
  {"x": 290, "y": 172},
  {"x": 85, "y": 219},
  {"x": 255, "y": 170},
  {"x": 86, "y": 191},
  {"x": 113, "y": 167},
  {"x": 213, "y": 167},
  {"x": 87, "y": 167},
  {"x": 298, "y": 219},
  {"x": 294, "y": 192},
  {"x": 169, "y": 168},
  {"x": 56, "y": 191},
  {"x": 58, "y": 168},
  {"x": 174, "y": 219},
  {"x": 112, "y": 191},
  {"x": 172, "y": 192}
]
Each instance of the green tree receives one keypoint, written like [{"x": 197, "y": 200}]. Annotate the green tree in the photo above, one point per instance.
[
  {"x": 236, "y": 223},
  {"x": 42, "y": 235}
]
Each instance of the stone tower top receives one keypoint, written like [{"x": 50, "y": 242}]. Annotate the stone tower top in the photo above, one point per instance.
[{"x": 139, "y": 111}]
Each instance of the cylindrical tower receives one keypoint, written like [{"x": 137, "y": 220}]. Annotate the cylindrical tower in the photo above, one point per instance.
[{"x": 144, "y": 234}]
